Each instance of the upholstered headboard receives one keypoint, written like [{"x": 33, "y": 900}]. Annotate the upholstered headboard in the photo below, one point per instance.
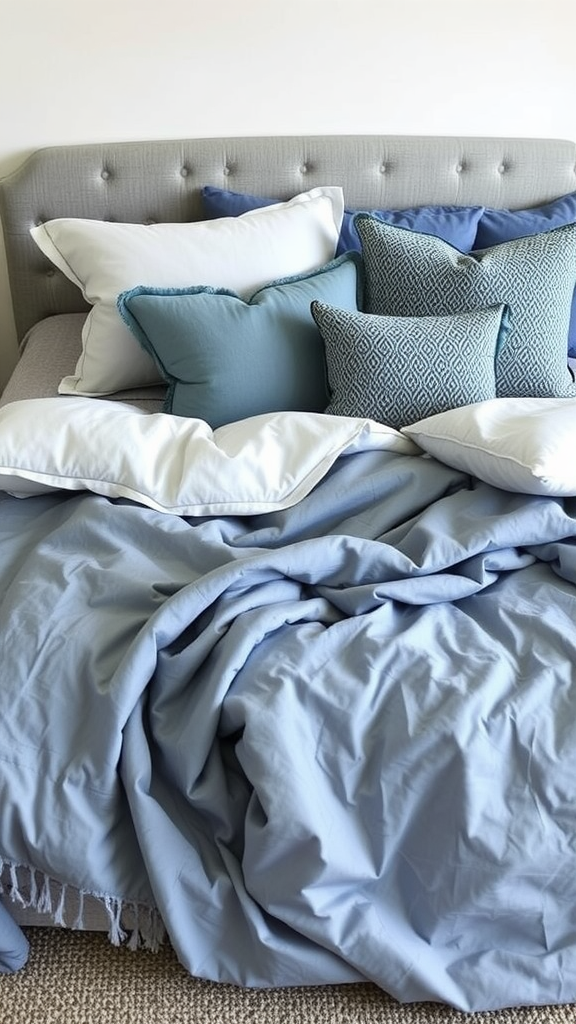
[{"x": 161, "y": 181}]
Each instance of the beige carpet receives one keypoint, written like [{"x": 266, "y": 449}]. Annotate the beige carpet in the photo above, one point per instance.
[{"x": 78, "y": 978}]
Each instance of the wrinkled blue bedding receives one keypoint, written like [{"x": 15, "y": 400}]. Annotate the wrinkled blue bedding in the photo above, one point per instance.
[{"x": 330, "y": 744}]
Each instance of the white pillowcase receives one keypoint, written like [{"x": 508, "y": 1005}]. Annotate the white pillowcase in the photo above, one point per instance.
[
  {"x": 175, "y": 464},
  {"x": 104, "y": 258},
  {"x": 519, "y": 444}
]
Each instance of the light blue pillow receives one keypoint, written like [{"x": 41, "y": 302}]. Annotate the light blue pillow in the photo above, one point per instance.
[
  {"x": 400, "y": 369},
  {"x": 455, "y": 224},
  {"x": 498, "y": 226},
  {"x": 225, "y": 358},
  {"x": 408, "y": 274}
]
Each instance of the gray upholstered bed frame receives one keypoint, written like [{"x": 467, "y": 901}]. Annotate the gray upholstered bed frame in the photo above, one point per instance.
[{"x": 161, "y": 181}]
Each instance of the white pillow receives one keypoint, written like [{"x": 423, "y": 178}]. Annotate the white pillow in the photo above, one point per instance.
[
  {"x": 175, "y": 464},
  {"x": 242, "y": 253},
  {"x": 518, "y": 444}
]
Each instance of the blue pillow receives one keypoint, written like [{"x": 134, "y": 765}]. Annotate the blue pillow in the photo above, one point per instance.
[
  {"x": 408, "y": 274},
  {"x": 498, "y": 226},
  {"x": 455, "y": 224},
  {"x": 400, "y": 369},
  {"x": 225, "y": 358}
]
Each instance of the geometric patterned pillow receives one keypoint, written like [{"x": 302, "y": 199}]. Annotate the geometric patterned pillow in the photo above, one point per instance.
[
  {"x": 501, "y": 225},
  {"x": 397, "y": 370},
  {"x": 410, "y": 274}
]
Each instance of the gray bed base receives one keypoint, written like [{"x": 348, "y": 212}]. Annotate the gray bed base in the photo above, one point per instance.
[{"x": 161, "y": 180}]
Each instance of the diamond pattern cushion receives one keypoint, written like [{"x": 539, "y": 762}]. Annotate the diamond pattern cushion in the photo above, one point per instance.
[
  {"x": 398, "y": 370},
  {"x": 410, "y": 274},
  {"x": 501, "y": 225}
]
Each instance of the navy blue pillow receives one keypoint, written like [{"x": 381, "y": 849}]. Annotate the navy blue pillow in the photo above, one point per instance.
[
  {"x": 454, "y": 224},
  {"x": 497, "y": 226}
]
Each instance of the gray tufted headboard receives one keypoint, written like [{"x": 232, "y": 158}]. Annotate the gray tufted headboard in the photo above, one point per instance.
[{"x": 161, "y": 181}]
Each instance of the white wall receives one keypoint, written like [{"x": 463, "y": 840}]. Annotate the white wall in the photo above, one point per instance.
[{"x": 75, "y": 71}]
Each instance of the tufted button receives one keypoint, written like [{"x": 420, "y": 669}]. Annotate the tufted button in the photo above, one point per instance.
[
  {"x": 184, "y": 172},
  {"x": 304, "y": 169},
  {"x": 502, "y": 169},
  {"x": 383, "y": 168},
  {"x": 105, "y": 175},
  {"x": 50, "y": 272},
  {"x": 226, "y": 171},
  {"x": 459, "y": 168}
]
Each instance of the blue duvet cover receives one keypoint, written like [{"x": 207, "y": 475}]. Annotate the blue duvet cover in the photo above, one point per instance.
[{"x": 324, "y": 745}]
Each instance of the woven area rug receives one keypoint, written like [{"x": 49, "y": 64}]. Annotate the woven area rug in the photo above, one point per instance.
[{"x": 78, "y": 978}]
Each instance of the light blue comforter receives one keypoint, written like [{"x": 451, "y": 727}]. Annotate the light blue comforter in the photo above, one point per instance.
[{"x": 330, "y": 744}]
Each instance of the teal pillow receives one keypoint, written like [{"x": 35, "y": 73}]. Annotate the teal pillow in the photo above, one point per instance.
[
  {"x": 399, "y": 369},
  {"x": 409, "y": 274},
  {"x": 225, "y": 358}
]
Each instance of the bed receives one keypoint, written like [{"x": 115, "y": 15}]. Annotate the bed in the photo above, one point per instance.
[{"x": 288, "y": 560}]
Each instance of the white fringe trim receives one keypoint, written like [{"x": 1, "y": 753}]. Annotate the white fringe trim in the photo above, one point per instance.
[{"x": 136, "y": 925}]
